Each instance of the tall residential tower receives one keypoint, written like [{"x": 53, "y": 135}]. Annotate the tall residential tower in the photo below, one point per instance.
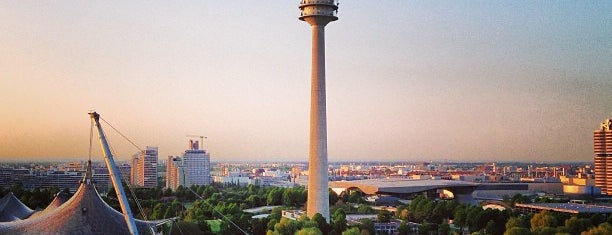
[
  {"x": 318, "y": 13},
  {"x": 144, "y": 168},
  {"x": 602, "y": 141}
]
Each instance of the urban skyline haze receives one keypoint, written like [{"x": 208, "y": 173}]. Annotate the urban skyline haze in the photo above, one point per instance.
[{"x": 406, "y": 80}]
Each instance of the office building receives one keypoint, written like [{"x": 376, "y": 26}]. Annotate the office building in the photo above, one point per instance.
[
  {"x": 193, "y": 168},
  {"x": 602, "y": 141}
]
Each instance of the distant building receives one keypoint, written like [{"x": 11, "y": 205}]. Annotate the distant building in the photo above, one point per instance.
[
  {"x": 144, "y": 168},
  {"x": 192, "y": 169},
  {"x": 52, "y": 179},
  {"x": 173, "y": 172},
  {"x": 387, "y": 228},
  {"x": 125, "y": 170},
  {"x": 570, "y": 208},
  {"x": 602, "y": 141},
  {"x": 197, "y": 165},
  {"x": 237, "y": 180},
  {"x": 292, "y": 214}
]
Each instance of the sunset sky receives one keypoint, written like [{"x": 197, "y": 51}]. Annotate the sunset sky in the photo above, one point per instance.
[{"x": 406, "y": 80}]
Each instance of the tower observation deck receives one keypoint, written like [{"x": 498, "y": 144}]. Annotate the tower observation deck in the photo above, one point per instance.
[{"x": 318, "y": 13}]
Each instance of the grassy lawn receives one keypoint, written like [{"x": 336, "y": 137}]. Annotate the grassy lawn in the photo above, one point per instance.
[{"x": 215, "y": 225}]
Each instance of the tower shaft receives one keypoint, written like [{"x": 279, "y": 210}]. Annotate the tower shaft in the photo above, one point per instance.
[
  {"x": 318, "y": 195},
  {"x": 318, "y": 13}
]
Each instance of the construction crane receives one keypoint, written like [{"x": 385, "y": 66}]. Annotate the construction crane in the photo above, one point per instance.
[{"x": 201, "y": 139}]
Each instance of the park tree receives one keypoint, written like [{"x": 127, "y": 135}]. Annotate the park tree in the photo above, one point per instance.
[
  {"x": 168, "y": 213},
  {"x": 354, "y": 197},
  {"x": 425, "y": 228},
  {"x": 275, "y": 196},
  {"x": 286, "y": 226},
  {"x": 519, "y": 198},
  {"x": 546, "y": 231},
  {"x": 403, "y": 229},
  {"x": 338, "y": 221},
  {"x": 444, "y": 229},
  {"x": 309, "y": 231},
  {"x": 451, "y": 206},
  {"x": 294, "y": 196},
  {"x": 276, "y": 213},
  {"x": 321, "y": 223},
  {"x": 490, "y": 228},
  {"x": 575, "y": 225},
  {"x": 364, "y": 209},
  {"x": 541, "y": 220},
  {"x": 460, "y": 217},
  {"x": 158, "y": 211},
  {"x": 517, "y": 231},
  {"x": 259, "y": 226},
  {"x": 437, "y": 214},
  {"x": 384, "y": 216},
  {"x": 253, "y": 200},
  {"x": 413, "y": 204},
  {"x": 209, "y": 191},
  {"x": 271, "y": 223},
  {"x": 602, "y": 229},
  {"x": 473, "y": 218},
  {"x": 367, "y": 225},
  {"x": 289, "y": 197},
  {"x": 352, "y": 231},
  {"x": 516, "y": 222},
  {"x": 333, "y": 197},
  {"x": 186, "y": 227},
  {"x": 597, "y": 219}
]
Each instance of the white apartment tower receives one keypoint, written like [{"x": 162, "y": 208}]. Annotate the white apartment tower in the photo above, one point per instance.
[
  {"x": 193, "y": 168},
  {"x": 144, "y": 168}
]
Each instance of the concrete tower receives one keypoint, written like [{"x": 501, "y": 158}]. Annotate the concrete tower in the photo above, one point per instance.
[{"x": 318, "y": 13}]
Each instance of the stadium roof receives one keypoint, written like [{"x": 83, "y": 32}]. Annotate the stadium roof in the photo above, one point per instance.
[
  {"x": 83, "y": 213},
  {"x": 573, "y": 208},
  {"x": 12, "y": 209},
  {"x": 59, "y": 199},
  {"x": 404, "y": 186}
]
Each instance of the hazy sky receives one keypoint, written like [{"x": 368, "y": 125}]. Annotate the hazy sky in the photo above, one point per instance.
[{"x": 406, "y": 80}]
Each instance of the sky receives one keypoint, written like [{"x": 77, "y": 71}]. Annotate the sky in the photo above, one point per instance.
[{"x": 406, "y": 80}]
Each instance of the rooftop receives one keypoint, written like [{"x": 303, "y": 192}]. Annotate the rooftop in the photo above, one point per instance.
[
  {"x": 371, "y": 186},
  {"x": 573, "y": 208}
]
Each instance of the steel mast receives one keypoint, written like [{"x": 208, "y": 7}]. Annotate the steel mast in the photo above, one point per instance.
[{"x": 115, "y": 176}]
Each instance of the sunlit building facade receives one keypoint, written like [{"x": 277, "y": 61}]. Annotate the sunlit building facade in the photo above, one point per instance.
[
  {"x": 602, "y": 141},
  {"x": 193, "y": 168},
  {"x": 144, "y": 168}
]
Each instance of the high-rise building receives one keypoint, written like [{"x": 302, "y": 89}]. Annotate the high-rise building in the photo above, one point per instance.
[
  {"x": 318, "y": 13},
  {"x": 602, "y": 141},
  {"x": 175, "y": 172},
  {"x": 193, "y": 168},
  {"x": 144, "y": 168}
]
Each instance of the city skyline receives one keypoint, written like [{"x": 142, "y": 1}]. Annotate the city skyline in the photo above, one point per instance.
[{"x": 456, "y": 80}]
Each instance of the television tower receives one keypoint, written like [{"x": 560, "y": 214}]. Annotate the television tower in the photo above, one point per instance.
[{"x": 318, "y": 13}]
